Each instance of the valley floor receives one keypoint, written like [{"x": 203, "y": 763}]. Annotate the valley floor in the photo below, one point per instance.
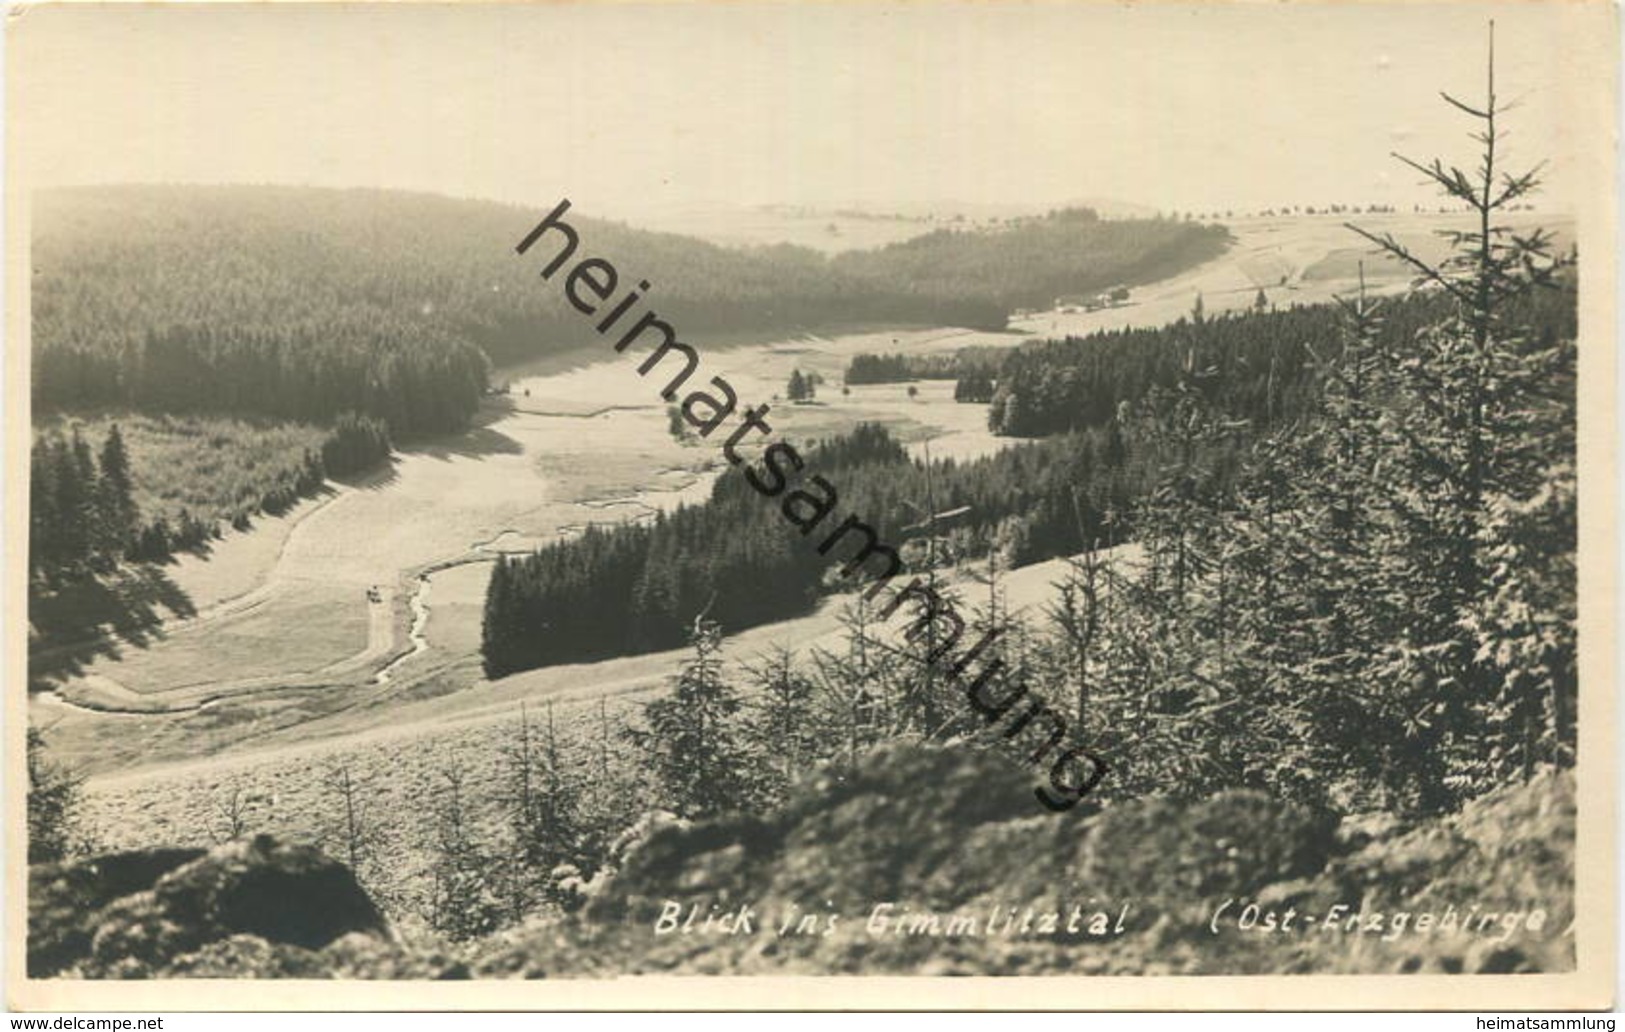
[{"x": 352, "y": 621}]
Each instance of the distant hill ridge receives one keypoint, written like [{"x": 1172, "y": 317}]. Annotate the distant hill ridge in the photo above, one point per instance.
[{"x": 303, "y": 301}]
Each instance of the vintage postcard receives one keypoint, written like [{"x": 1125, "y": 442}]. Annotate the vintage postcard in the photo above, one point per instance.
[{"x": 808, "y": 504}]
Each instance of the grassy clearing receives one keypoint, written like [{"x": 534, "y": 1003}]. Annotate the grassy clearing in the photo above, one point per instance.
[
  {"x": 207, "y": 465},
  {"x": 258, "y": 644},
  {"x": 401, "y": 760}
]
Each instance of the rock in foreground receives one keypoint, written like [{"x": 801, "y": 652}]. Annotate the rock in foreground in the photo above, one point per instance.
[
  {"x": 924, "y": 860},
  {"x": 141, "y": 914}
]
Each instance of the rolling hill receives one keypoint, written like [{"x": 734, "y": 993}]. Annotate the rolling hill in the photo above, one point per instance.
[{"x": 302, "y": 303}]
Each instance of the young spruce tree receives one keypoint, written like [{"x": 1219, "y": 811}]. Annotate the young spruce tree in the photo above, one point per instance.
[{"x": 694, "y": 738}]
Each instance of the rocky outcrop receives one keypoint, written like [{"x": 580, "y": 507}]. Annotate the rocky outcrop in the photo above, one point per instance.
[
  {"x": 937, "y": 860},
  {"x": 65, "y": 901},
  {"x": 925, "y": 859},
  {"x": 139, "y": 914}
]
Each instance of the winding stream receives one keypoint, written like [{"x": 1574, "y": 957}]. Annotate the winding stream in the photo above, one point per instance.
[{"x": 576, "y": 454}]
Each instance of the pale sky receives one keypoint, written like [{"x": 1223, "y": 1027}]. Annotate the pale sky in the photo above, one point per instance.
[{"x": 625, "y": 108}]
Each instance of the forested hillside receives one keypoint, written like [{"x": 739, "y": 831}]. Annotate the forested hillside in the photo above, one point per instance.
[
  {"x": 1368, "y": 606},
  {"x": 253, "y": 341},
  {"x": 1312, "y": 621},
  {"x": 1263, "y": 365},
  {"x": 167, "y": 483},
  {"x": 1032, "y": 262},
  {"x": 303, "y": 303}
]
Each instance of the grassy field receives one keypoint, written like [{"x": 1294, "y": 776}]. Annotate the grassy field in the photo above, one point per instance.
[
  {"x": 283, "y": 783},
  {"x": 1293, "y": 259},
  {"x": 208, "y": 465}
]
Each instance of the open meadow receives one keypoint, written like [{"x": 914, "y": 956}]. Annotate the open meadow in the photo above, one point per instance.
[{"x": 1294, "y": 260}]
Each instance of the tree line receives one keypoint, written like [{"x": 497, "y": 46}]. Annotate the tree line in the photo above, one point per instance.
[
  {"x": 412, "y": 380},
  {"x": 85, "y": 520},
  {"x": 82, "y": 513},
  {"x": 900, "y": 367},
  {"x": 636, "y": 587},
  {"x": 1033, "y": 262},
  {"x": 1263, "y": 362}
]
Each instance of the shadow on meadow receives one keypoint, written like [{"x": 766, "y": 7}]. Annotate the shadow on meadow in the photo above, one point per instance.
[
  {"x": 72, "y": 625},
  {"x": 479, "y": 440}
]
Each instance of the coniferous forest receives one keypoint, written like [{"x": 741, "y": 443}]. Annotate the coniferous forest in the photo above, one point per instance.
[
  {"x": 1262, "y": 365},
  {"x": 568, "y": 601},
  {"x": 1000, "y": 266},
  {"x": 81, "y": 508},
  {"x": 88, "y": 510},
  {"x": 898, "y": 367},
  {"x": 736, "y": 557}
]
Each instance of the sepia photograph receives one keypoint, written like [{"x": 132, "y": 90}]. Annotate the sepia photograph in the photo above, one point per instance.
[{"x": 1014, "y": 505}]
